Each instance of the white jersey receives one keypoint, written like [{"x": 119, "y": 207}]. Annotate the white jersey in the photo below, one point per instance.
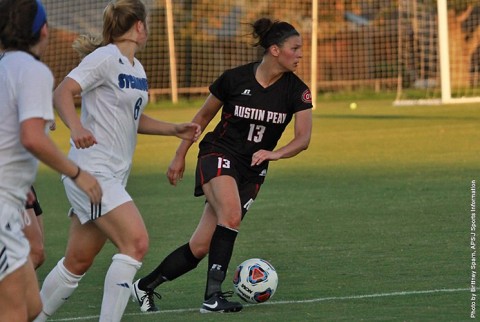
[
  {"x": 26, "y": 86},
  {"x": 114, "y": 95}
]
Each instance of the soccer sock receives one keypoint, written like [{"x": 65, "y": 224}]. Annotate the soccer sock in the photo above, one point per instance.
[
  {"x": 56, "y": 289},
  {"x": 117, "y": 287},
  {"x": 179, "y": 262},
  {"x": 221, "y": 249}
]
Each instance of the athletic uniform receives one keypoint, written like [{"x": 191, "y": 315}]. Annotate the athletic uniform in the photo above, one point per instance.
[
  {"x": 253, "y": 118},
  {"x": 26, "y": 86},
  {"x": 114, "y": 95}
]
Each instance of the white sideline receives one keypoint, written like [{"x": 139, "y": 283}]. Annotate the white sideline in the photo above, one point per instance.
[{"x": 320, "y": 299}]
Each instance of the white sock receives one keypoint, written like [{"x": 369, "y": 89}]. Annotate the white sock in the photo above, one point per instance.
[
  {"x": 56, "y": 289},
  {"x": 118, "y": 282}
]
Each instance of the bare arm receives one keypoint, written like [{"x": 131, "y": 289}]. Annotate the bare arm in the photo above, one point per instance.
[
  {"x": 300, "y": 142},
  {"x": 203, "y": 117},
  {"x": 63, "y": 99},
  {"x": 34, "y": 139},
  {"x": 186, "y": 131}
]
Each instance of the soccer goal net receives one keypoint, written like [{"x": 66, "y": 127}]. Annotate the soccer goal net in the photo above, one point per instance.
[
  {"x": 425, "y": 51},
  {"x": 190, "y": 43},
  {"x": 439, "y": 52}
]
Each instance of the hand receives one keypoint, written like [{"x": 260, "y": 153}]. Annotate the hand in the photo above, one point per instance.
[
  {"x": 90, "y": 186},
  {"x": 83, "y": 138},
  {"x": 175, "y": 170},
  {"x": 53, "y": 126},
  {"x": 264, "y": 155},
  {"x": 188, "y": 131}
]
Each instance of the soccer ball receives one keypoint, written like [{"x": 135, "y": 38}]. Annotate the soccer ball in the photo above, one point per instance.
[{"x": 255, "y": 280}]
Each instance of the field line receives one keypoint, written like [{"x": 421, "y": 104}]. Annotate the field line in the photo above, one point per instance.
[
  {"x": 320, "y": 299},
  {"x": 366, "y": 296}
]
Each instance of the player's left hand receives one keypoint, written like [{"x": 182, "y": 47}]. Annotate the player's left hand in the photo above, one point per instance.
[
  {"x": 188, "y": 131},
  {"x": 264, "y": 155}
]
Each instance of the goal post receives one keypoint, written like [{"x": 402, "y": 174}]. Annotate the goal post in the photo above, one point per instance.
[
  {"x": 446, "y": 93},
  {"x": 438, "y": 46}
]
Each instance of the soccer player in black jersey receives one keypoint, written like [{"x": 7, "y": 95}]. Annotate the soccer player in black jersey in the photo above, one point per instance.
[{"x": 257, "y": 101}]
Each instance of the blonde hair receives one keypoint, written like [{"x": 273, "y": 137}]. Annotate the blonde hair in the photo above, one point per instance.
[{"x": 118, "y": 17}]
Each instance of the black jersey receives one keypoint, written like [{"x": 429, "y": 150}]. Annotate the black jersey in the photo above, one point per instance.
[{"x": 253, "y": 117}]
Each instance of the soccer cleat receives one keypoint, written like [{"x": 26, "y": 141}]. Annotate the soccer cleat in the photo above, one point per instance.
[
  {"x": 144, "y": 298},
  {"x": 218, "y": 303}
]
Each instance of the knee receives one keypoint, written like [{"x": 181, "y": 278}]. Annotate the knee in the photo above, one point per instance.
[
  {"x": 141, "y": 247},
  {"x": 232, "y": 220},
  {"x": 77, "y": 264},
  {"x": 136, "y": 248},
  {"x": 199, "y": 250}
]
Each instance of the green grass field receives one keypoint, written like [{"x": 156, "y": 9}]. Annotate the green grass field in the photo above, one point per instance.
[{"x": 371, "y": 223}]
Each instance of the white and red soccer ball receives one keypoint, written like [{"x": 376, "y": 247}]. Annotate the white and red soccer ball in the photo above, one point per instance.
[{"x": 255, "y": 280}]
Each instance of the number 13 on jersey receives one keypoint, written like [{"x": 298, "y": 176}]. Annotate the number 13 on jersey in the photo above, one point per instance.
[{"x": 256, "y": 133}]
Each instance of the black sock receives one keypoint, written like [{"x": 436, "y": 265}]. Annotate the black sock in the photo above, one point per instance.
[
  {"x": 221, "y": 249},
  {"x": 179, "y": 262}
]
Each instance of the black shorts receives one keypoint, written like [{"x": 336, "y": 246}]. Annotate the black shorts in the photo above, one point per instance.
[
  {"x": 216, "y": 164},
  {"x": 35, "y": 205}
]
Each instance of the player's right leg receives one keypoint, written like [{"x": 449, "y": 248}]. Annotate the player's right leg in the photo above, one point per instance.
[
  {"x": 84, "y": 243},
  {"x": 19, "y": 298},
  {"x": 223, "y": 197},
  {"x": 34, "y": 233},
  {"x": 33, "y": 230},
  {"x": 124, "y": 226},
  {"x": 179, "y": 262},
  {"x": 19, "y": 295}
]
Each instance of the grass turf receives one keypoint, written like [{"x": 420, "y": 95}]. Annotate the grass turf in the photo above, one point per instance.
[{"x": 371, "y": 223}]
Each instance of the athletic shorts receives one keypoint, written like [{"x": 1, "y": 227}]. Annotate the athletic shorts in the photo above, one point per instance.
[
  {"x": 35, "y": 205},
  {"x": 114, "y": 195},
  {"x": 217, "y": 164},
  {"x": 14, "y": 246}
]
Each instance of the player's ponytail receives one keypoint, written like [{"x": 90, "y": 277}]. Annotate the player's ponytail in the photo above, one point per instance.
[
  {"x": 118, "y": 17},
  {"x": 260, "y": 28},
  {"x": 268, "y": 32},
  {"x": 85, "y": 44}
]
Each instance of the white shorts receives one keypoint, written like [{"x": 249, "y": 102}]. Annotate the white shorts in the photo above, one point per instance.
[
  {"x": 14, "y": 246},
  {"x": 114, "y": 195}
]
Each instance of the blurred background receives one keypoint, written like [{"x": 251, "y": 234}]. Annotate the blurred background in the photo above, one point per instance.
[{"x": 374, "y": 45}]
